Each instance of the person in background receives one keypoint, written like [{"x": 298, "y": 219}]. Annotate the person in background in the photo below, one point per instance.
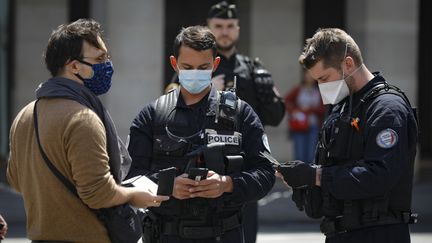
[
  {"x": 305, "y": 113},
  {"x": 255, "y": 84}
]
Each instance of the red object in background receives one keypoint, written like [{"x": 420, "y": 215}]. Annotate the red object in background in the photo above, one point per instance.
[{"x": 298, "y": 121}]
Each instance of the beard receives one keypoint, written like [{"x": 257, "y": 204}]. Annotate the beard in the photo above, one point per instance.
[{"x": 228, "y": 45}]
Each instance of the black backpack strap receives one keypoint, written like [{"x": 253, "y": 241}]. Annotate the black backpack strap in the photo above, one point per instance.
[
  {"x": 165, "y": 105},
  {"x": 48, "y": 162},
  {"x": 381, "y": 89},
  {"x": 385, "y": 88}
]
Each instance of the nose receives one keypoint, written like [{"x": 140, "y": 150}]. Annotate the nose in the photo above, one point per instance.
[{"x": 225, "y": 31}]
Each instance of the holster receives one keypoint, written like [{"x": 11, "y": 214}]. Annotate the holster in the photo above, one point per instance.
[
  {"x": 234, "y": 163},
  {"x": 214, "y": 158}
]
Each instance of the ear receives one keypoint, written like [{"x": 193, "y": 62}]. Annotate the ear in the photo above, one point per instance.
[
  {"x": 173, "y": 63},
  {"x": 216, "y": 63},
  {"x": 349, "y": 63},
  {"x": 73, "y": 66}
]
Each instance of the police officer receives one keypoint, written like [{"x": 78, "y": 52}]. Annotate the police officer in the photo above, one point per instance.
[
  {"x": 198, "y": 126},
  {"x": 254, "y": 84},
  {"x": 366, "y": 149}
]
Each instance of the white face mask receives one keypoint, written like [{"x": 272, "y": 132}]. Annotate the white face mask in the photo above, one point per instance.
[{"x": 335, "y": 91}]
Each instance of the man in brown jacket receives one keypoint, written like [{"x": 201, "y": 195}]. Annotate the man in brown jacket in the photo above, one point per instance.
[{"x": 79, "y": 138}]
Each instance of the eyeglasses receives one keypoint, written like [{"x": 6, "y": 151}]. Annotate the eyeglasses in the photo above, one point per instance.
[{"x": 100, "y": 59}]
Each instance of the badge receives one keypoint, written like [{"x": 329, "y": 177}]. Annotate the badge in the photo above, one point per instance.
[
  {"x": 265, "y": 142},
  {"x": 387, "y": 138},
  {"x": 230, "y": 139}
]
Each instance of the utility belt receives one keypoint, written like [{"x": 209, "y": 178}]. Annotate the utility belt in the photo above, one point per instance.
[
  {"x": 339, "y": 225},
  {"x": 196, "y": 229}
]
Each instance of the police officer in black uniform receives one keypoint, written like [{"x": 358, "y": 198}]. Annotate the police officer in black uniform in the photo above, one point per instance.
[
  {"x": 254, "y": 84},
  {"x": 197, "y": 126},
  {"x": 363, "y": 182}
]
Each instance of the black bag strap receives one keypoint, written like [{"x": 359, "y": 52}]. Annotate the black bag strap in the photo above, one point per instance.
[{"x": 48, "y": 162}]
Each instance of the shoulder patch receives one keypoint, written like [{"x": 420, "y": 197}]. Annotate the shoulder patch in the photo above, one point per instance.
[{"x": 387, "y": 138}]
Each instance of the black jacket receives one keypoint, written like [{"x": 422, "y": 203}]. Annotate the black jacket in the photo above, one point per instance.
[
  {"x": 377, "y": 159},
  {"x": 269, "y": 106},
  {"x": 253, "y": 182}
]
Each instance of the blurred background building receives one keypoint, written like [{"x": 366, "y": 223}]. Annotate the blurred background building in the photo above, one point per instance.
[{"x": 394, "y": 35}]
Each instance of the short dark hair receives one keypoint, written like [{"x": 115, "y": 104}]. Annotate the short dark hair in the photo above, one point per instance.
[
  {"x": 65, "y": 43},
  {"x": 199, "y": 38},
  {"x": 329, "y": 46}
]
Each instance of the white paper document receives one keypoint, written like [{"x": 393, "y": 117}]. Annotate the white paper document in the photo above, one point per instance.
[{"x": 143, "y": 183}]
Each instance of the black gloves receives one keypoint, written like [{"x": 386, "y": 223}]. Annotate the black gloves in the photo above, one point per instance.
[
  {"x": 299, "y": 197},
  {"x": 263, "y": 83},
  {"x": 298, "y": 173}
]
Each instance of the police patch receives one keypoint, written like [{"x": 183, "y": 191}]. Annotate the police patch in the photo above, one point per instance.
[
  {"x": 265, "y": 142},
  {"x": 219, "y": 138},
  {"x": 387, "y": 138}
]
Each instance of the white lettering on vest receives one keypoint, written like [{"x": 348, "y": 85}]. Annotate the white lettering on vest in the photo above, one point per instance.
[{"x": 219, "y": 138}]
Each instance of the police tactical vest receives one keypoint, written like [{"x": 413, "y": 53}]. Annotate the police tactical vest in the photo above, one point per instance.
[
  {"x": 341, "y": 143},
  {"x": 168, "y": 152},
  {"x": 165, "y": 148}
]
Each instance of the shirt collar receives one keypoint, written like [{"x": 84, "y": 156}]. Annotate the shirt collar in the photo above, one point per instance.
[
  {"x": 374, "y": 81},
  {"x": 208, "y": 102}
]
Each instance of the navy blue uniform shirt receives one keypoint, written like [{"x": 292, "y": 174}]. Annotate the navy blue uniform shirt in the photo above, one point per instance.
[
  {"x": 253, "y": 183},
  {"x": 389, "y": 133}
]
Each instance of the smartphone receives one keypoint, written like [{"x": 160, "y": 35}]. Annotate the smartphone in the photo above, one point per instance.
[
  {"x": 197, "y": 174},
  {"x": 166, "y": 181}
]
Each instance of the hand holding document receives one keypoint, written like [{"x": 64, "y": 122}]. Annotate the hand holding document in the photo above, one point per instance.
[
  {"x": 160, "y": 191},
  {"x": 143, "y": 183}
]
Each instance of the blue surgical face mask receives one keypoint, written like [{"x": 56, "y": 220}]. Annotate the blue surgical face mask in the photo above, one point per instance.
[
  {"x": 100, "y": 82},
  {"x": 195, "y": 81}
]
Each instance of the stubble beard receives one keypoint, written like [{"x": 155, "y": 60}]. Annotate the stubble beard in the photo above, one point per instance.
[{"x": 225, "y": 48}]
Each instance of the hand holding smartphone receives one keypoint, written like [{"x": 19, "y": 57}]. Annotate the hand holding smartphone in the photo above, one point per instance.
[{"x": 197, "y": 174}]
